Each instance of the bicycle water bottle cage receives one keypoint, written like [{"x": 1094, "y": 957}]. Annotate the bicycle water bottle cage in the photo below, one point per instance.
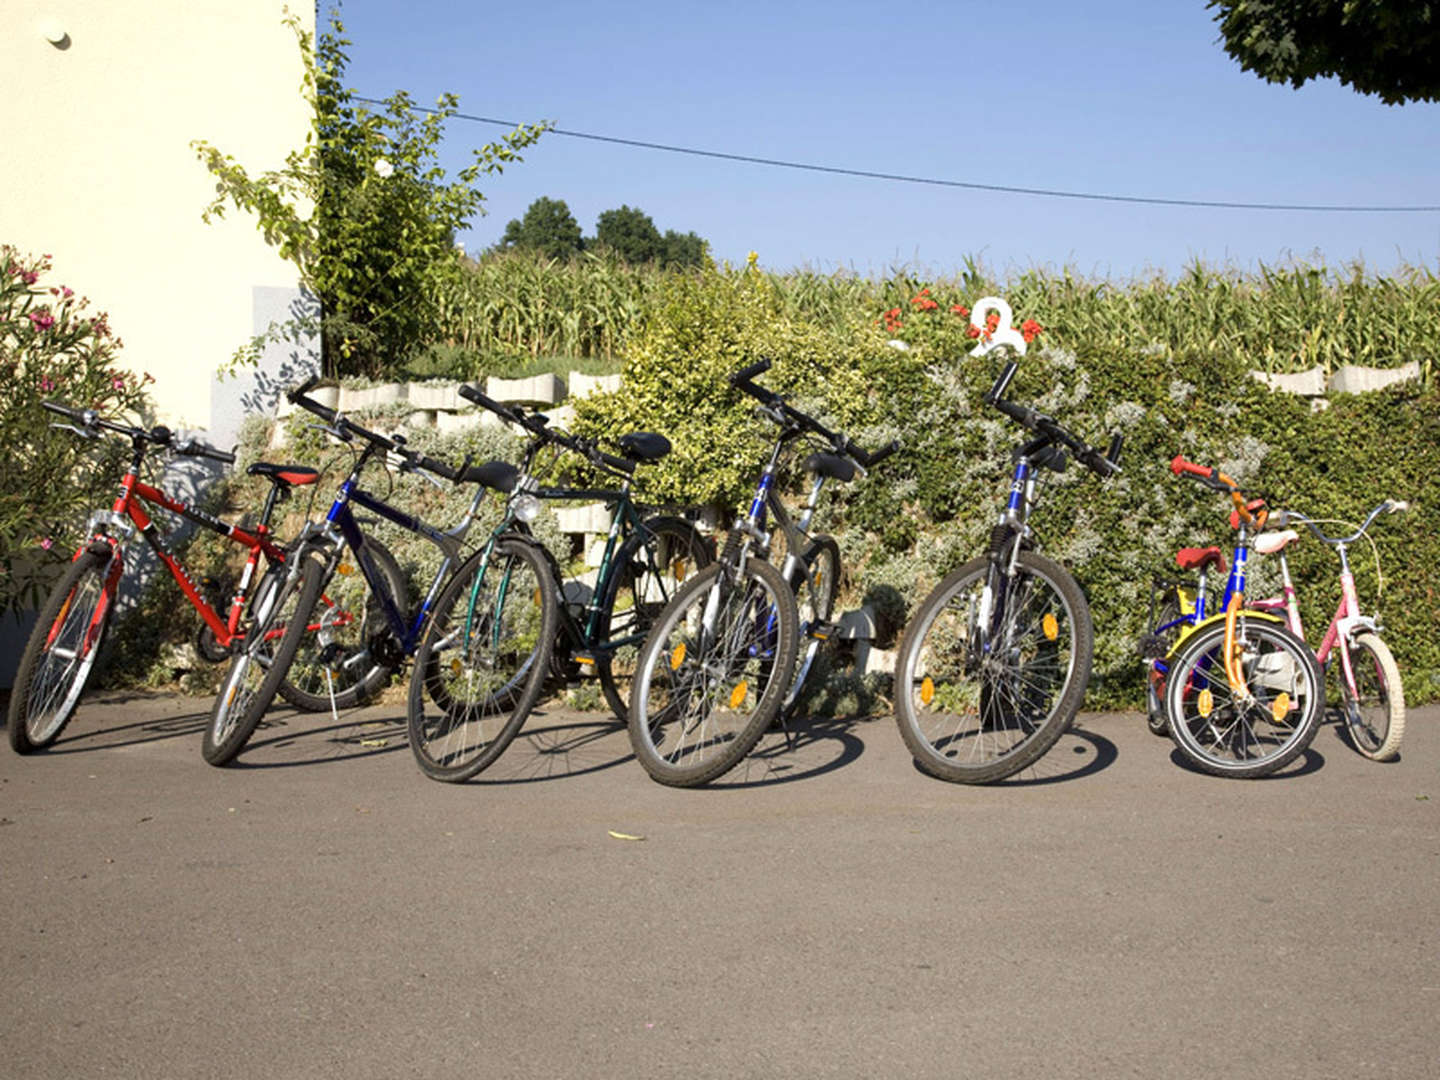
[
  {"x": 1200, "y": 559},
  {"x": 830, "y": 466}
]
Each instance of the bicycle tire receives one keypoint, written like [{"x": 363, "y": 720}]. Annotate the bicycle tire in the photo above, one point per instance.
[
  {"x": 48, "y": 682},
  {"x": 1375, "y": 719},
  {"x": 1155, "y": 718},
  {"x": 994, "y": 714},
  {"x": 473, "y": 717},
  {"x": 650, "y": 567},
  {"x": 281, "y": 610},
  {"x": 347, "y": 616},
  {"x": 1244, "y": 738},
  {"x": 724, "y": 684},
  {"x": 815, "y": 600}
]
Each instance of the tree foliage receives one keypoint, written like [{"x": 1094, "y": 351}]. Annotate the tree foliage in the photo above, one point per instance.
[
  {"x": 363, "y": 210},
  {"x": 547, "y": 227},
  {"x": 1390, "y": 48}
]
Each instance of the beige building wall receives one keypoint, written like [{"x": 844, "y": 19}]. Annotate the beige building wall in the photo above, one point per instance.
[{"x": 96, "y": 169}]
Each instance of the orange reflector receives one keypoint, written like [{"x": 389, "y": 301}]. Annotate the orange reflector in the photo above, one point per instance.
[
  {"x": 677, "y": 657},
  {"x": 927, "y": 690},
  {"x": 345, "y": 569},
  {"x": 455, "y": 668},
  {"x": 536, "y": 598},
  {"x": 1280, "y": 706},
  {"x": 737, "y": 696},
  {"x": 1206, "y": 704},
  {"x": 679, "y": 569},
  {"x": 1050, "y": 627}
]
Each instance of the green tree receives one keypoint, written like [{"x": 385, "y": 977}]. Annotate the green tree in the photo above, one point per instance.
[
  {"x": 683, "y": 249},
  {"x": 629, "y": 233},
  {"x": 548, "y": 227},
  {"x": 1386, "y": 47},
  {"x": 363, "y": 210}
]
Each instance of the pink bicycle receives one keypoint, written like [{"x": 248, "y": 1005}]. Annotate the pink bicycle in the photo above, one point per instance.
[{"x": 1372, "y": 697}]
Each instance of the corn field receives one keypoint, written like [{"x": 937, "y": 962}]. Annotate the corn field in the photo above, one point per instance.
[{"x": 1278, "y": 320}]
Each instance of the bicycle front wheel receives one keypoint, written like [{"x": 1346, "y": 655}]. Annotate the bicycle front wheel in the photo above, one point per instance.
[
  {"x": 651, "y": 566},
  {"x": 483, "y": 660},
  {"x": 60, "y": 654},
  {"x": 280, "y": 612},
  {"x": 1250, "y": 731},
  {"x": 712, "y": 673},
  {"x": 335, "y": 656},
  {"x": 992, "y": 669},
  {"x": 1375, "y": 713}
]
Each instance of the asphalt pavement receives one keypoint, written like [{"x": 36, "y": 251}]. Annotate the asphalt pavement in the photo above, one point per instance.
[{"x": 321, "y": 909}]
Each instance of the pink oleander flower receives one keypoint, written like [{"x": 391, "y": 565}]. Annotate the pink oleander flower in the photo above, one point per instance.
[
  {"x": 118, "y": 383},
  {"x": 47, "y": 543}
]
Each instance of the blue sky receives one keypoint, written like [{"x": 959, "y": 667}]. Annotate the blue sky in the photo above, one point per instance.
[{"x": 1104, "y": 97}]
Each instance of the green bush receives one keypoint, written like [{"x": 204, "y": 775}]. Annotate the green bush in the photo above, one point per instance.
[{"x": 52, "y": 348}]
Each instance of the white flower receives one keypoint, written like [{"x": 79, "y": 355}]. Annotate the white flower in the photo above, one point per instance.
[{"x": 384, "y": 169}]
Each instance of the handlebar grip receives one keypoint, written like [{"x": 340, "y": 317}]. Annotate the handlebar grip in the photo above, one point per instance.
[
  {"x": 625, "y": 465},
  {"x": 869, "y": 460},
  {"x": 1112, "y": 455},
  {"x": 196, "y": 448},
  {"x": 996, "y": 392},
  {"x": 439, "y": 468},
  {"x": 746, "y": 374},
  {"x": 63, "y": 410},
  {"x": 1019, "y": 413},
  {"x": 1179, "y": 466},
  {"x": 303, "y": 389}
]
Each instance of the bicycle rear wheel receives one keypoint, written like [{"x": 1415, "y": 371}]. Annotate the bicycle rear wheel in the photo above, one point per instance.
[
  {"x": 1375, "y": 714},
  {"x": 815, "y": 599},
  {"x": 713, "y": 672},
  {"x": 974, "y": 707},
  {"x": 1156, "y": 666},
  {"x": 483, "y": 661},
  {"x": 1229, "y": 733},
  {"x": 60, "y": 654},
  {"x": 280, "y": 612},
  {"x": 335, "y": 655},
  {"x": 650, "y": 567}
]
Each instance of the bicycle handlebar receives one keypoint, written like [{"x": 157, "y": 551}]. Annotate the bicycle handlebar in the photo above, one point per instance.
[
  {"x": 91, "y": 421},
  {"x": 344, "y": 427},
  {"x": 1102, "y": 465},
  {"x": 540, "y": 428},
  {"x": 1388, "y": 506},
  {"x": 743, "y": 380}
]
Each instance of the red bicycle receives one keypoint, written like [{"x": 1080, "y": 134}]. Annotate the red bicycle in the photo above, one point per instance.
[{"x": 71, "y": 628}]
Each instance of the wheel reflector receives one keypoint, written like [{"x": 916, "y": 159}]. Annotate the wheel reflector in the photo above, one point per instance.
[
  {"x": 345, "y": 568},
  {"x": 1050, "y": 627},
  {"x": 679, "y": 569},
  {"x": 677, "y": 657},
  {"x": 1280, "y": 706},
  {"x": 927, "y": 690},
  {"x": 1206, "y": 703},
  {"x": 737, "y": 696}
]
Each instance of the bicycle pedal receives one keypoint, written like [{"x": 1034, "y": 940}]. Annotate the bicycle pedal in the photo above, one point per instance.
[{"x": 824, "y": 631}]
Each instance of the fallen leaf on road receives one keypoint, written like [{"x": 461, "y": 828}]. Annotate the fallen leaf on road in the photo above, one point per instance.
[
  {"x": 374, "y": 742},
  {"x": 624, "y": 836}
]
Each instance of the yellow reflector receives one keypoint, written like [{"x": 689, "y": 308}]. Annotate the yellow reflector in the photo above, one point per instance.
[
  {"x": 677, "y": 657},
  {"x": 584, "y": 659},
  {"x": 927, "y": 690},
  {"x": 455, "y": 668},
  {"x": 737, "y": 696},
  {"x": 1206, "y": 703},
  {"x": 345, "y": 568},
  {"x": 679, "y": 569},
  {"x": 536, "y": 598},
  {"x": 1280, "y": 706},
  {"x": 1050, "y": 627}
]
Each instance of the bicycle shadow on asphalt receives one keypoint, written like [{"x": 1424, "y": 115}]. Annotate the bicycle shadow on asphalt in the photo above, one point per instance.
[
  {"x": 1310, "y": 761},
  {"x": 291, "y": 739},
  {"x": 1076, "y": 754},
  {"x": 805, "y": 748},
  {"x": 85, "y": 734}
]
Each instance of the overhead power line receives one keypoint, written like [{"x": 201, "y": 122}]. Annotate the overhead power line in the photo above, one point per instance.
[{"x": 969, "y": 185}]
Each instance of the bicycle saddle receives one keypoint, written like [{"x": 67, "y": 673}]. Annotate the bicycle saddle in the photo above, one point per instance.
[
  {"x": 499, "y": 475},
  {"x": 295, "y": 475},
  {"x": 644, "y": 445},
  {"x": 1200, "y": 559},
  {"x": 1271, "y": 542},
  {"x": 831, "y": 466}
]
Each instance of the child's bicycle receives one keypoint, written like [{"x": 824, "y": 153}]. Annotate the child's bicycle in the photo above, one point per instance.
[
  {"x": 501, "y": 628},
  {"x": 723, "y": 659},
  {"x": 1242, "y": 694},
  {"x": 1372, "y": 699},
  {"x": 994, "y": 663},
  {"x": 71, "y": 627}
]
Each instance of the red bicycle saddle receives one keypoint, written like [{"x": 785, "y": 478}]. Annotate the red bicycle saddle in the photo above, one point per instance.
[{"x": 1200, "y": 559}]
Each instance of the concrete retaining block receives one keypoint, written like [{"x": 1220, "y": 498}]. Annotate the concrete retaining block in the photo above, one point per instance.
[
  {"x": 1355, "y": 379},
  {"x": 1306, "y": 383},
  {"x": 537, "y": 390},
  {"x": 582, "y": 385}
]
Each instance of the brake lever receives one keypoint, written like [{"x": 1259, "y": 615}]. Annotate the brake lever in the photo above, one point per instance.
[
  {"x": 84, "y": 433},
  {"x": 343, "y": 436}
]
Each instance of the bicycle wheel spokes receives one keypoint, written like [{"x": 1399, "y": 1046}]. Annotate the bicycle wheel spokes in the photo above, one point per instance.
[
  {"x": 712, "y": 673},
  {"x": 976, "y": 706},
  {"x": 482, "y": 662},
  {"x": 1375, "y": 713},
  {"x": 60, "y": 655},
  {"x": 1250, "y": 731}
]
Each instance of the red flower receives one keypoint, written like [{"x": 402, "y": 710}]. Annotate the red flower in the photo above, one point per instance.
[
  {"x": 972, "y": 331},
  {"x": 992, "y": 321},
  {"x": 961, "y": 310},
  {"x": 1030, "y": 330}
]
